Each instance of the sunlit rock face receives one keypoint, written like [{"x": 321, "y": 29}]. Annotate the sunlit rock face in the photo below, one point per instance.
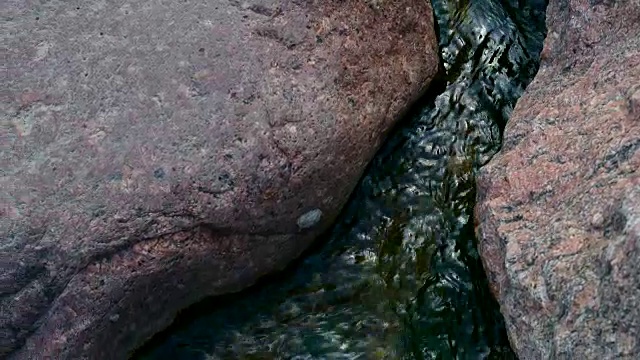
[
  {"x": 399, "y": 276},
  {"x": 559, "y": 208}
]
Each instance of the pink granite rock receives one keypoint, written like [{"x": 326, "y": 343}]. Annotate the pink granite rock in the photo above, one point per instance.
[
  {"x": 157, "y": 152},
  {"x": 558, "y": 214}
]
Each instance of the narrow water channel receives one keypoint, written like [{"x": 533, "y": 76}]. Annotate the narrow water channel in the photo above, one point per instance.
[{"x": 398, "y": 277}]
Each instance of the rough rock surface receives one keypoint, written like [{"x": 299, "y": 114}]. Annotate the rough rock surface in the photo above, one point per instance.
[
  {"x": 156, "y": 152},
  {"x": 558, "y": 214}
]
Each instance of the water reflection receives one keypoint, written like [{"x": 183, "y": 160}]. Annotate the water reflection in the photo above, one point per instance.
[{"x": 399, "y": 276}]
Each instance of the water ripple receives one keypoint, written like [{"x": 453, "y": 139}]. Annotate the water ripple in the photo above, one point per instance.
[{"x": 399, "y": 276}]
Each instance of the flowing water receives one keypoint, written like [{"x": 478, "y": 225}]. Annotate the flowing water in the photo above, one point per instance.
[{"x": 398, "y": 277}]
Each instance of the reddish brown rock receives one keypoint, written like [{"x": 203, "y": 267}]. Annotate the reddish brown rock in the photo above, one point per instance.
[
  {"x": 558, "y": 210},
  {"x": 154, "y": 153}
]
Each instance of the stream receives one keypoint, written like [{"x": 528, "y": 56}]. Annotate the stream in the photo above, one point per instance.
[{"x": 398, "y": 276}]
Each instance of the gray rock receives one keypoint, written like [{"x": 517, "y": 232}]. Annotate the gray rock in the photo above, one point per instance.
[
  {"x": 154, "y": 153},
  {"x": 558, "y": 209}
]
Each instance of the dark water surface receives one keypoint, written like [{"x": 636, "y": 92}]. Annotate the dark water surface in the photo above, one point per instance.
[{"x": 398, "y": 277}]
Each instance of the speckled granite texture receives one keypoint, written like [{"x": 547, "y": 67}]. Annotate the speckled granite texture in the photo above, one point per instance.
[
  {"x": 558, "y": 214},
  {"x": 157, "y": 152}
]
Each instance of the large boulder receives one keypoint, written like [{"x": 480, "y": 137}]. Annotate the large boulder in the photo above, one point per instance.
[
  {"x": 558, "y": 213},
  {"x": 157, "y": 152}
]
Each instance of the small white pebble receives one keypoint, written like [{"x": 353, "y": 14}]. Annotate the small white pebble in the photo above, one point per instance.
[
  {"x": 597, "y": 220},
  {"x": 309, "y": 219}
]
